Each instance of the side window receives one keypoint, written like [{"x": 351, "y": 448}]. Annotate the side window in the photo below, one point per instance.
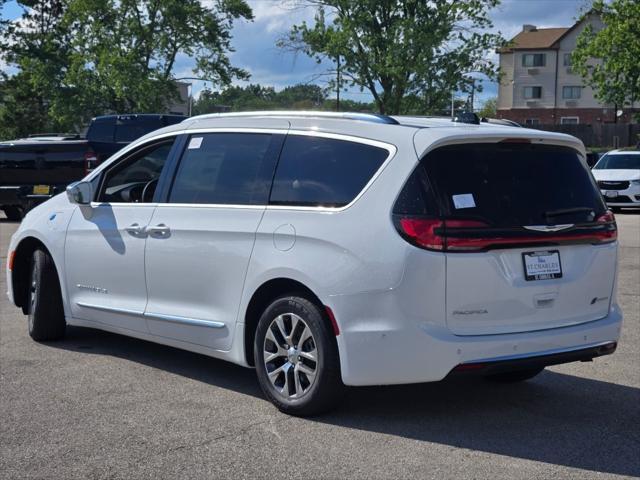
[
  {"x": 315, "y": 171},
  {"x": 417, "y": 196},
  {"x": 224, "y": 168},
  {"x": 101, "y": 130},
  {"x": 134, "y": 180}
]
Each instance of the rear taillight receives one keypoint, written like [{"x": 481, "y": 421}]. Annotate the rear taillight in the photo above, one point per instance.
[
  {"x": 461, "y": 235},
  {"x": 425, "y": 233},
  {"x": 90, "y": 161},
  {"x": 610, "y": 231}
]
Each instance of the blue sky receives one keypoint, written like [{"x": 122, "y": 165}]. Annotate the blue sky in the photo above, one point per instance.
[{"x": 255, "y": 50}]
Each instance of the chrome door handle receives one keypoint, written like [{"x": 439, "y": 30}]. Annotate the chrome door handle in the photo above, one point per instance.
[
  {"x": 135, "y": 229},
  {"x": 160, "y": 230}
]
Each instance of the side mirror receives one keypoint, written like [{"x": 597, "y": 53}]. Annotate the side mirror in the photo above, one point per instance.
[{"x": 80, "y": 193}]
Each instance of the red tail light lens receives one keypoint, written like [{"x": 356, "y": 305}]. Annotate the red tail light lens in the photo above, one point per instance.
[
  {"x": 611, "y": 233},
  {"x": 90, "y": 161},
  {"x": 471, "y": 235},
  {"x": 422, "y": 232}
]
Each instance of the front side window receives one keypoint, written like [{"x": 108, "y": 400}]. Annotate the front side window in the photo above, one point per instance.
[
  {"x": 572, "y": 92},
  {"x": 134, "y": 179},
  {"x": 534, "y": 60},
  {"x": 315, "y": 171},
  {"x": 532, "y": 92},
  {"x": 224, "y": 168}
]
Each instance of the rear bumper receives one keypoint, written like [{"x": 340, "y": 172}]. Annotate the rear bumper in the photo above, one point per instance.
[
  {"x": 425, "y": 353},
  {"x": 543, "y": 359},
  {"x": 21, "y": 195}
]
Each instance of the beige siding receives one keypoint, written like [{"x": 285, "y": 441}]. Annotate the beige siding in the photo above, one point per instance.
[
  {"x": 536, "y": 77},
  {"x": 505, "y": 89},
  {"x": 566, "y": 77}
]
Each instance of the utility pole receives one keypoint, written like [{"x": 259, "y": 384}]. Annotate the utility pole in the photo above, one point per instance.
[
  {"x": 473, "y": 91},
  {"x": 453, "y": 100},
  {"x": 338, "y": 84}
]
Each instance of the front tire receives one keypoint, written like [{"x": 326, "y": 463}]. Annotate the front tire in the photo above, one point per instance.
[
  {"x": 46, "y": 314},
  {"x": 296, "y": 357},
  {"x": 515, "y": 376}
]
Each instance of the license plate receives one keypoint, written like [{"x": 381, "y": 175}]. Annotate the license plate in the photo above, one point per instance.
[
  {"x": 41, "y": 189},
  {"x": 543, "y": 265},
  {"x": 611, "y": 194}
]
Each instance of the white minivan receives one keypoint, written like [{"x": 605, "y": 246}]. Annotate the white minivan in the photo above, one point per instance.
[{"x": 329, "y": 249}]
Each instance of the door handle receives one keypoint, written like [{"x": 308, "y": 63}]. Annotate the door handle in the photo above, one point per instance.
[
  {"x": 135, "y": 229},
  {"x": 160, "y": 230}
]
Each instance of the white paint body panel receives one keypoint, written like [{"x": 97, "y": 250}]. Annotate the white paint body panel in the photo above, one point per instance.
[
  {"x": 389, "y": 297},
  {"x": 198, "y": 270},
  {"x": 101, "y": 255}
]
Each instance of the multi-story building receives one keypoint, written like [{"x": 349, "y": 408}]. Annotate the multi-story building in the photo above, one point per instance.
[{"x": 538, "y": 85}]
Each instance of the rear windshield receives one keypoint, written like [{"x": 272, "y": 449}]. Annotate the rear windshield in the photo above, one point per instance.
[
  {"x": 130, "y": 129},
  {"x": 619, "y": 162},
  {"x": 504, "y": 185}
]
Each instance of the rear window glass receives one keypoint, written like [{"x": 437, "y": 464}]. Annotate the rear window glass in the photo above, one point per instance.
[
  {"x": 619, "y": 162},
  {"x": 101, "y": 130},
  {"x": 129, "y": 129},
  {"x": 513, "y": 184},
  {"x": 315, "y": 171}
]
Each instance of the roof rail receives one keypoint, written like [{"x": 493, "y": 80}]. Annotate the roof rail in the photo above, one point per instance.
[{"x": 365, "y": 117}]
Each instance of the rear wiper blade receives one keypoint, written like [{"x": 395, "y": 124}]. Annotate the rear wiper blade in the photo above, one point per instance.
[{"x": 568, "y": 211}]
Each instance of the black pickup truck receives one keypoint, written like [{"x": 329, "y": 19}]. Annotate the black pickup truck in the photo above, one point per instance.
[{"x": 36, "y": 168}]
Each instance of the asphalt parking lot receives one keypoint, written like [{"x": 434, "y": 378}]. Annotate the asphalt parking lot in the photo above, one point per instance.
[{"x": 99, "y": 405}]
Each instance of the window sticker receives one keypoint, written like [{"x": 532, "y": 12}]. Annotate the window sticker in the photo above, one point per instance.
[
  {"x": 464, "y": 200},
  {"x": 195, "y": 143}
]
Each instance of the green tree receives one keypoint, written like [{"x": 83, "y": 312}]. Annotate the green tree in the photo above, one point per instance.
[
  {"x": 401, "y": 48},
  {"x": 489, "y": 108},
  {"x": 80, "y": 58},
  {"x": 608, "y": 59},
  {"x": 38, "y": 46}
]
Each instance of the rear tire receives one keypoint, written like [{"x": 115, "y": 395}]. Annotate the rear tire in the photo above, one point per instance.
[
  {"x": 515, "y": 376},
  {"x": 291, "y": 333},
  {"x": 46, "y": 314},
  {"x": 13, "y": 213}
]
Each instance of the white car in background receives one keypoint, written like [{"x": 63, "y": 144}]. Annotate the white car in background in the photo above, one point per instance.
[
  {"x": 618, "y": 176},
  {"x": 332, "y": 249}
]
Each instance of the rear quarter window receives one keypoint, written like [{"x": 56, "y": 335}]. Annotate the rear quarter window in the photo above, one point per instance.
[{"x": 317, "y": 171}]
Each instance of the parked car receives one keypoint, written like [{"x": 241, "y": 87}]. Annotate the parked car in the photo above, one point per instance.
[
  {"x": 330, "y": 249},
  {"x": 618, "y": 176},
  {"x": 36, "y": 168}
]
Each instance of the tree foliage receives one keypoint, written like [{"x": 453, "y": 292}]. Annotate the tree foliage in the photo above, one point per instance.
[
  {"x": 489, "y": 108},
  {"x": 608, "y": 59},
  {"x": 401, "y": 51},
  {"x": 80, "y": 58},
  {"x": 257, "y": 97}
]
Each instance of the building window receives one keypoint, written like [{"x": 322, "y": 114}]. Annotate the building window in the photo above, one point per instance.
[
  {"x": 532, "y": 92},
  {"x": 567, "y": 60},
  {"x": 532, "y": 121},
  {"x": 534, "y": 60},
  {"x": 569, "y": 120},
  {"x": 571, "y": 93}
]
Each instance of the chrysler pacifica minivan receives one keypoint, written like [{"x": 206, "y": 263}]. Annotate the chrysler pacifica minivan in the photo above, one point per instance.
[{"x": 328, "y": 249}]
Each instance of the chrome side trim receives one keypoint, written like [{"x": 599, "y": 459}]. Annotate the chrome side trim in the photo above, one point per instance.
[
  {"x": 184, "y": 320},
  {"x": 103, "y": 308},
  {"x": 538, "y": 354}
]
